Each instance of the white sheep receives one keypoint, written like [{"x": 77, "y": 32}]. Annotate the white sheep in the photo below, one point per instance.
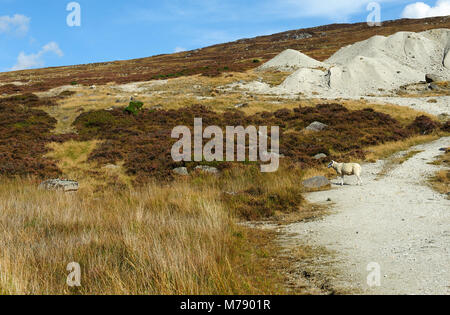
[{"x": 348, "y": 169}]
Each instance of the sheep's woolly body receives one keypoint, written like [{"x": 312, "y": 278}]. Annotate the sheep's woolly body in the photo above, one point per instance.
[{"x": 347, "y": 169}]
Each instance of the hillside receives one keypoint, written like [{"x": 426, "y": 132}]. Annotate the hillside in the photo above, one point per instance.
[
  {"x": 318, "y": 42},
  {"x": 141, "y": 222}
]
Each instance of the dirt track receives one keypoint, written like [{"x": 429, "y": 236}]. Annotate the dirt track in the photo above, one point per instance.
[{"x": 396, "y": 221}]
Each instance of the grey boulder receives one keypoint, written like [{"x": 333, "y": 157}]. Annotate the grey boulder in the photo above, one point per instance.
[
  {"x": 182, "y": 171},
  {"x": 317, "y": 126},
  {"x": 60, "y": 184},
  {"x": 207, "y": 169},
  {"x": 320, "y": 156}
]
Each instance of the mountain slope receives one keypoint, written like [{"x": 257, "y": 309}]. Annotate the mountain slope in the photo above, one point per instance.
[{"x": 318, "y": 42}]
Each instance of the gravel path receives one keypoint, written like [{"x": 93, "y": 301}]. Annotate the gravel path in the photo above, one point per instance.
[{"x": 396, "y": 221}]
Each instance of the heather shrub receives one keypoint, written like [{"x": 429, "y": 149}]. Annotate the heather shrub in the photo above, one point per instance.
[{"x": 134, "y": 107}]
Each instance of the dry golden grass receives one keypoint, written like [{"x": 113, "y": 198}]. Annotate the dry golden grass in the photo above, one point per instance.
[
  {"x": 177, "y": 238},
  {"x": 155, "y": 240}
]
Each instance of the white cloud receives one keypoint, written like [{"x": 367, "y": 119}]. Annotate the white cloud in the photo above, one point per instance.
[
  {"x": 179, "y": 49},
  {"x": 420, "y": 10},
  {"x": 18, "y": 24},
  {"x": 25, "y": 61}
]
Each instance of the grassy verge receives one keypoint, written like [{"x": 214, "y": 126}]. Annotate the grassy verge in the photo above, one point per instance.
[
  {"x": 155, "y": 240},
  {"x": 441, "y": 180}
]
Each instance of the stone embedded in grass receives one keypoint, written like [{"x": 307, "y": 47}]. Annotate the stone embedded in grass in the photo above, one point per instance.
[
  {"x": 157, "y": 107},
  {"x": 317, "y": 126},
  {"x": 320, "y": 156},
  {"x": 316, "y": 182},
  {"x": 207, "y": 169},
  {"x": 59, "y": 184},
  {"x": 242, "y": 105},
  {"x": 182, "y": 171},
  {"x": 111, "y": 167}
]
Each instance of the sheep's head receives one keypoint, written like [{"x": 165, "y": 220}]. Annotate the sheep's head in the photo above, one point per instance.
[{"x": 331, "y": 164}]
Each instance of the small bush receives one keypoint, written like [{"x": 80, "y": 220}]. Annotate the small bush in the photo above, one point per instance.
[
  {"x": 424, "y": 125},
  {"x": 134, "y": 107}
]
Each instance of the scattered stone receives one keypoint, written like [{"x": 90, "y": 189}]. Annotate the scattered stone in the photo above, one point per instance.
[
  {"x": 111, "y": 167},
  {"x": 317, "y": 182},
  {"x": 60, "y": 184},
  {"x": 156, "y": 107},
  {"x": 301, "y": 36},
  {"x": 317, "y": 126},
  {"x": 320, "y": 156},
  {"x": 242, "y": 105},
  {"x": 182, "y": 171},
  {"x": 207, "y": 169}
]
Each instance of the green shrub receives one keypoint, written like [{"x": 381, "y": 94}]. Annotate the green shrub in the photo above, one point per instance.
[{"x": 134, "y": 107}]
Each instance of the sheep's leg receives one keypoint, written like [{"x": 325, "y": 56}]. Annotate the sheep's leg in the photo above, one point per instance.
[
  {"x": 342, "y": 180},
  {"x": 360, "y": 183}
]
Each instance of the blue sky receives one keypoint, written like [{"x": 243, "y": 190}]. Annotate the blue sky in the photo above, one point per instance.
[{"x": 35, "y": 33}]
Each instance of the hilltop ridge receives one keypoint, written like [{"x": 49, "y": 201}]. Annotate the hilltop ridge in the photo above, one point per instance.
[{"x": 317, "y": 42}]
